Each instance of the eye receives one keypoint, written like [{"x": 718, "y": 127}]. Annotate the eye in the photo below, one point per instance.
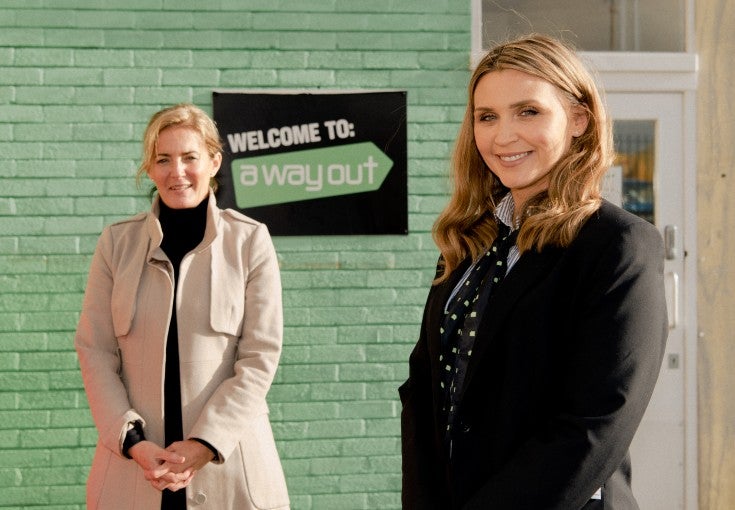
[
  {"x": 486, "y": 117},
  {"x": 161, "y": 161},
  {"x": 529, "y": 112}
]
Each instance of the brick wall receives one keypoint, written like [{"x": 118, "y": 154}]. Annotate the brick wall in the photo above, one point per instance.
[{"x": 77, "y": 84}]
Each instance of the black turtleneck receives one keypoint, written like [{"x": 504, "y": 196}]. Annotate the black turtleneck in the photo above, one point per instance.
[{"x": 183, "y": 230}]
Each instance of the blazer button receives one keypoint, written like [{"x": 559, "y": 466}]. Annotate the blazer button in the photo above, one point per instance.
[
  {"x": 466, "y": 427},
  {"x": 200, "y": 498}
]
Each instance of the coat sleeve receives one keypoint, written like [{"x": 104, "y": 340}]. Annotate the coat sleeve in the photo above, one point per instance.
[
  {"x": 422, "y": 476},
  {"x": 99, "y": 355},
  {"x": 609, "y": 360},
  {"x": 243, "y": 395}
]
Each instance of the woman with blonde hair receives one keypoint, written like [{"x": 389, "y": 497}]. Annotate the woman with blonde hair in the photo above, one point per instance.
[
  {"x": 544, "y": 329},
  {"x": 179, "y": 339}
]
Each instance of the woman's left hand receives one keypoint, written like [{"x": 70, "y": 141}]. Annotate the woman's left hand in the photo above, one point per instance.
[{"x": 195, "y": 454}]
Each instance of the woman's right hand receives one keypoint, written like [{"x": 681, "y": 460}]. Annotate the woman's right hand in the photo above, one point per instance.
[{"x": 156, "y": 463}]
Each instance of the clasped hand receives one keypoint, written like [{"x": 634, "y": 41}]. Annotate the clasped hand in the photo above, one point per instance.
[{"x": 172, "y": 468}]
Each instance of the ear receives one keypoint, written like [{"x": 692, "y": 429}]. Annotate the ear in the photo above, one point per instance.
[
  {"x": 216, "y": 163},
  {"x": 579, "y": 120}
]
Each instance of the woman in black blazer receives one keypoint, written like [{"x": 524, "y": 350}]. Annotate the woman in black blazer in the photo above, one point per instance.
[{"x": 533, "y": 369}]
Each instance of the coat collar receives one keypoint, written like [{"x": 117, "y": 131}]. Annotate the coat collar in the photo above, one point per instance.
[{"x": 153, "y": 227}]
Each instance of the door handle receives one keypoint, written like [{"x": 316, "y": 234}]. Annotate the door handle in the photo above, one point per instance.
[
  {"x": 670, "y": 236},
  {"x": 671, "y": 284}
]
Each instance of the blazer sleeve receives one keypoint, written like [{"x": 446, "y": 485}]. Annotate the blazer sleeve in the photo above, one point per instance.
[
  {"x": 609, "y": 360},
  {"x": 422, "y": 476},
  {"x": 99, "y": 356},
  {"x": 258, "y": 352}
]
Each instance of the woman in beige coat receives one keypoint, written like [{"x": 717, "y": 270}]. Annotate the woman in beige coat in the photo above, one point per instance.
[{"x": 179, "y": 339}]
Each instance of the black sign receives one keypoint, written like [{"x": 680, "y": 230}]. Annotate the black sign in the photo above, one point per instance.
[{"x": 315, "y": 163}]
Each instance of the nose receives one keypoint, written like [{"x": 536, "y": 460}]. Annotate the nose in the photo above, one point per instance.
[
  {"x": 506, "y": 132},
  {"x": 178, "y": 167}
]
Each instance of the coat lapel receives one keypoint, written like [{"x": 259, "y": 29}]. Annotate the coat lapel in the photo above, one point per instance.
[
  {"x": 435, "y": 315},
  {"x": 530, "y": 268}
]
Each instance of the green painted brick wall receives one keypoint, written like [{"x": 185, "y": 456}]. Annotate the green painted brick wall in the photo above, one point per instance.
[{"x": 78, "y": 81}]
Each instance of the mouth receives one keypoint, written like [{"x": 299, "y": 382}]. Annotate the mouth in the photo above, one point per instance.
[
  {"x": 179, "y": 187},
  {"x": 510, "y": 158}
]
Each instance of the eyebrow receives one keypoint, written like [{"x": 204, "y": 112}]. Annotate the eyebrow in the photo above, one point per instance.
[
  {"x": 185, "y": 153},
  {"x": 517, "y": 104}
]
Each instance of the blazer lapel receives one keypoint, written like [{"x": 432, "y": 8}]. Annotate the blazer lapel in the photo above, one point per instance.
[
  {"x": 435, "y": 315},
  {"x": 525, "y": 273}
]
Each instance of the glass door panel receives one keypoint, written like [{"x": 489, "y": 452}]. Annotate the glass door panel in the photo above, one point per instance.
[{"x": 634, "y": 145}]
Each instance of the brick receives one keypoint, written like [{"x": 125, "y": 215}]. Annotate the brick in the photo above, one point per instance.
[
  {"x": 23, "y": 381},
  {"x": 306, "y": 78},
  {"x": 207, "y": 77},
  {"x": 47, "y": 400},
  {"x": 23, "y": 302},
  {"x": 20, "y": 342},
  {"x": 66, "y": 380},
  {"x": 50, "y": 244},
  {"x": 48, "y": 438},
  {"x": 280, "y": 59},
  {"x": 24, "y": 419},
  {"x": 9, "y": 361},
  {"x": 224, "y": 21},
  {"x": 310, "y": 448},
  {"x": 308, "y": 373},
  {"x": 79, "y": 38},
  {"x": 162, "y": 58},
  {"x": 371, "y": 446},
  {"x": 76, "y": 113},
  {"x": 77, "y": 456},
  {"x": 384, "y": 500},
  {"x": 51, "y": 361},
  {"x": 87, "y": 57},
  {"x": 340, "y": 501},
  {"x": 21, "y": 37},
  {"x": 335, "y": 429},
  {"x": 10, "y": 477},
  {"x": 338, "y": 391},
  {"x": 23, "y": 497},
  {"x": 105, "y": 95},
  {"x": 22, "y": 264}
]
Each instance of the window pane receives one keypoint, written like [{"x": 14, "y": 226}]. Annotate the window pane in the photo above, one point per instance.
[
  {"x": 635, "y": 145},
  {"x": 591, "y": 25}
]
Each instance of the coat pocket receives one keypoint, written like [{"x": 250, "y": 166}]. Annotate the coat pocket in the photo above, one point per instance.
[
  {"x": 227, "y": 301},
  {"x": 263, "y": 472}
]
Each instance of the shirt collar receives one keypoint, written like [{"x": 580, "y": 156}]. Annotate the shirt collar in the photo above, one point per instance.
[{"x": 505, "y": 210}]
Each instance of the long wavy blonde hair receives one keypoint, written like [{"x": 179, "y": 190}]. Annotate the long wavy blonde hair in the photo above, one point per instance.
[{"x": 466, "y": 227}]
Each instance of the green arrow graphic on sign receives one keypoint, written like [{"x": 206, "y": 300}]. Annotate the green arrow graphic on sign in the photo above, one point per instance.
[{"x": 309, "y": 174}]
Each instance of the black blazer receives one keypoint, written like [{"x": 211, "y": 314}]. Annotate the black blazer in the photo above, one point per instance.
[{"x": 563, "y": 366}]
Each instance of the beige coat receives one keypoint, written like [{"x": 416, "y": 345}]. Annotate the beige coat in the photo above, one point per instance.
[{"x": 230, "y": 324}]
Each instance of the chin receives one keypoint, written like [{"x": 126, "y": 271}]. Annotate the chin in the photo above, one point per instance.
[{"x": 179, "y": 202}]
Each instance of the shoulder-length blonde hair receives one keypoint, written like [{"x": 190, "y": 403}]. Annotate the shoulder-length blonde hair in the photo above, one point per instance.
[
  {"x": 179, "y": 115},
  {"x": 467, "y": 225}
]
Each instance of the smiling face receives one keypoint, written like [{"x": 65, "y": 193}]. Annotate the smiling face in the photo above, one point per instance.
[
  {"x": 523, "y": 125},
  {"x": 182, "y": 167}
]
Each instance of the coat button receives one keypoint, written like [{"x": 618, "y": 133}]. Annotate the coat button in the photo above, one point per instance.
[
  {"x": 466, "y": 427},
  {"x": 200, "y": 498}
]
